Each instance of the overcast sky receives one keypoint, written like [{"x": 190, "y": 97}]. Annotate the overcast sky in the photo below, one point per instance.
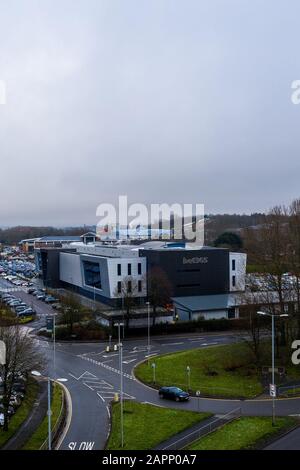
[{"x": 165, "y": 101}]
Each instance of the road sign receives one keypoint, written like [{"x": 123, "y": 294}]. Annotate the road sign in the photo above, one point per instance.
[
  {"x": 198, "y": 393},
  {"x": 272, "y": 390},
  {"x": 49, "y": 323},
  {"x": 268, "y": 370}
]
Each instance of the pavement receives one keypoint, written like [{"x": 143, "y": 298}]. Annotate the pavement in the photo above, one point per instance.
[
  {"x": 290, "y": 441},
  {"x": 36, "y": 416}
]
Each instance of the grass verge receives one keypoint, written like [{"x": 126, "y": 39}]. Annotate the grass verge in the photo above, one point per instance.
[
  {"x": 40, "y": 435},
  {"x": 22, "y": 413},
  {"x": 243, "y": 433},
  {"x": 222, "y": 371},
  {"x": 146, "y": 426}
]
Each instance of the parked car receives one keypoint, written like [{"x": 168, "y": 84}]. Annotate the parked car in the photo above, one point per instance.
[
  {"x": 41, "y": 296},
  {"x": 56, "y": 306},
  {"x": 20, "y": 308},
  {"x": 173, "y": 393},
  {"x": 50, "y": 299},
  {"x": 28, "y": 312}
]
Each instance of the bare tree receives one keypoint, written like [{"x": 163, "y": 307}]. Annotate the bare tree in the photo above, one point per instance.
[
  {"x": 159, "y": 289},
  {"x": 127, "y": 293},
  {"x": 71, "y": 311},
  {"x": 22, "y": 356},
  {"x": 255, "y": 328},
  {"x": 269, "y": 248},
  {"x": 294, "y": 259}
]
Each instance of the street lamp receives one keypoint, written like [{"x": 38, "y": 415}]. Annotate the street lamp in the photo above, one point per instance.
[
  {"x": 148, "y": 347},
  {"x": 188, "y": 370},
  {"x": 49, "y": 411},
  {"x": 273, "y": 357},
  {"x": 153, "y": 368},
  {"x": 94, "y": 307},
  {"x": 120, "y": 345},
  {"x": 54, "y": 343}
]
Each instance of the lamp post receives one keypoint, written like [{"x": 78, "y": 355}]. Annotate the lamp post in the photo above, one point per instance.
[
  {"x": 272, "y": 315},
  {"x": 153, "y": 368},
  {"x": 188, "y": 370},
  {"x": 120, "y": 345},
  {"x": 49, "y": 411},
  {"x": 148, "y": 315},
  {"x": 94, "y": 307},
  {"x": 54, "y": 344}
]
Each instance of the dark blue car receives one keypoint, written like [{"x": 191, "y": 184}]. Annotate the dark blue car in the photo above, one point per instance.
[{"x": 173, "y": 393}]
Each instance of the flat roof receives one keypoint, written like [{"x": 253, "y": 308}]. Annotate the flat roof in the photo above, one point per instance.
[
  {"x": 60, "y": 238},
  {"x": 206, "y": 302}
]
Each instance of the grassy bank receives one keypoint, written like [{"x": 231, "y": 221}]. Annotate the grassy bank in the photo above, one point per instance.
[
  {"x": 22, "y": 413},
  {"x": 244, "y": 433},
  {"x": 41, "y": 433},
  {"x": 226, "y": 371},
  {"x": 145, "y": 426}
]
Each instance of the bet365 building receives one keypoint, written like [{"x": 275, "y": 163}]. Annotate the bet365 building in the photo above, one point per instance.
[{"x": 204, "y": 281}]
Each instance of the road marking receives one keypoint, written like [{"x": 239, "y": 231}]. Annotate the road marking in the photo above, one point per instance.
[
  {"x": 153, "y": 404},
  {"x": 106, "y": 366},
  {"x": 82, "y": 375},
  {"x": 101, "y": 397},
  {"x": 68, "y": 416},
  {"x": 131, "y": 360},
  {"x": 172, "y": 344}
]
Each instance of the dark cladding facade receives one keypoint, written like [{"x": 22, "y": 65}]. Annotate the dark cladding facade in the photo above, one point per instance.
[{"x": 192, "y": 272}]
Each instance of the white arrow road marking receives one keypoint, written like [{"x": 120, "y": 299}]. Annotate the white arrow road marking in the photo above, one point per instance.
[{"x": 131, "y": 360}]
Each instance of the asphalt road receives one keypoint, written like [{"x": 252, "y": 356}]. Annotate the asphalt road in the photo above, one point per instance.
[
  {"x": 290, "y": 441},
  {"x": 94, "y": 377}
]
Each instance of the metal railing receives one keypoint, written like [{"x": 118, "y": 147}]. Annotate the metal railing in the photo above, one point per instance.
[
  {"x": 289, "y": 390},
  {"x": 204, "y": 430}
]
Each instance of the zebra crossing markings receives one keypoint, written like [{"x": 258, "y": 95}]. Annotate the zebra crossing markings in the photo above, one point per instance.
[{"x": 102, "y": 364}]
